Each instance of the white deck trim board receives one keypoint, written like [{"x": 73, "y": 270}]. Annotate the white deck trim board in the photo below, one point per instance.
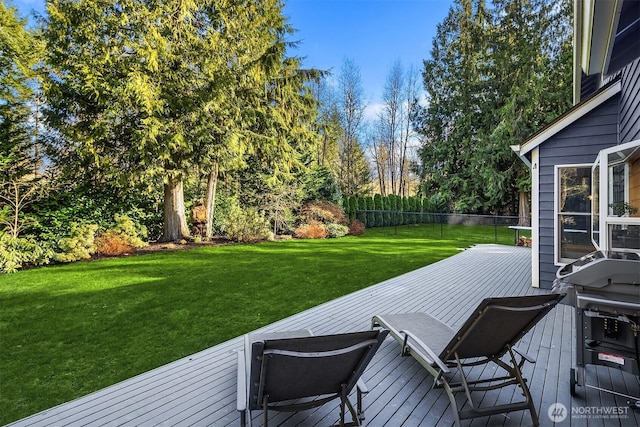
[{"x": 535, "y": 218}]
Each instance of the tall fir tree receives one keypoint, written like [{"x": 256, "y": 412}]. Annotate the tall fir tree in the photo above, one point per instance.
[
  {"x": 20, "y": 51},
  {"x": 498, "y": 70},
  {"x": 149, "y": 90},
  {"x": 452, "y": 122}
]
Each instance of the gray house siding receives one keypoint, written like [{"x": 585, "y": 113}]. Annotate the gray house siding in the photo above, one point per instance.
[
  {"x": 579, "y": 143},
  {"x": 629, "y": 103}
]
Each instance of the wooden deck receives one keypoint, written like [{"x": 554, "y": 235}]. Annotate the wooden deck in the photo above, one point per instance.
[{"x": 200, "y": 390}]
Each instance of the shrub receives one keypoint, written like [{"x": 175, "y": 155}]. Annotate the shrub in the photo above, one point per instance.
[
  {"x": 356, "y": 228},
  {"x": 130, "y": 234},
  {"x": 18, "y": 252},
  {"x": 361, "y": 215},
  {"x": 222, "y": 214},
  {"x": 247, "y": 225},
  {"x": 322, "y": 212},
  {"x": 79, "y": 245},
  {"x": 370, "y": 205},
  {"x": 337, "y": 230},
  {"x": 113, "y": 243},
  {"x": 94, "y": 205},
  {"x": 379, "y": 207},
  {"x": 320, "y": 184},
  {"x": 312, "y": 230}
]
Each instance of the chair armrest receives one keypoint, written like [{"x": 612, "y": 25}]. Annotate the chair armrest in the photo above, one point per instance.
[
  {"x": 423, "y": 351},
  {"x": 241, "y": 400},
  {"x": 362, "y": 386}
]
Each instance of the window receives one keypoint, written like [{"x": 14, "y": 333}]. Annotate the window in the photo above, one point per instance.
[
  {"x": 616, "y": 198},
  {"x": 573, "y": 212}
]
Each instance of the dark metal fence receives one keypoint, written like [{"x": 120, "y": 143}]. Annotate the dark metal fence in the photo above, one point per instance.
[{"x": 443, "y": 224}]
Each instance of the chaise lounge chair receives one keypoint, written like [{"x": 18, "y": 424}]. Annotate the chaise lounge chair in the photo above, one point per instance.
[
  {"x": 490, "y": 333},
  {"x": 293, "y": 371}
]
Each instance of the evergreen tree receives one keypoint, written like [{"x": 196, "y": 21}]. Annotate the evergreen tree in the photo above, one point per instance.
[
  {"x": 328, "y": 125},
  {"x": 378, "y": 206},
  {"x": 387, "y": 205},
  {"x": 151, "y": 90},
  {"x": 353, "y": 207},
  {"x": 496, "y": 74},
  {"x": 346, "y": 207},
  {"x": 453, "y": 119},
  {"x": 362, "y": 207},
  {"x": 371, "y": 216},
  {"x": 531, "y": 80},
  {"x": 419, "y": 216},
  {"x": 406, "y": 208},
  {"x": 20, "y": 50},
  {"x": 412, "y": 209}
]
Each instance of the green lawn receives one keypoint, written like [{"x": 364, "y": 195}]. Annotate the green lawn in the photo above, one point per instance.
[{"x": 66, "y": 331}]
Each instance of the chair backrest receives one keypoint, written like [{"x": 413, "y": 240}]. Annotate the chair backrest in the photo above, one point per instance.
[
  {"x": 294, "y": 368},
  {"x": 498, "y": 323}
]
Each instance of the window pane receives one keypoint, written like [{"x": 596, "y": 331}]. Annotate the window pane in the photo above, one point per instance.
[
  {"x": 575, "y": 189},
  {"x": 574, "y": 236},
  {"x": 616, "y": 191},
  {"x": 625, "y": 236}
]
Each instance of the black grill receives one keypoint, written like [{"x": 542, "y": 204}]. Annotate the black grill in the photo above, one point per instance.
[{"x": 604, "y": 287}]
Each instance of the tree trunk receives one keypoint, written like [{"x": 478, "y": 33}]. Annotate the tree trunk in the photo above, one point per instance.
[
  {"x": 524, "y": 210},
  {"x": 210, "y": 203},
  {"x": 175, "y": 219}
]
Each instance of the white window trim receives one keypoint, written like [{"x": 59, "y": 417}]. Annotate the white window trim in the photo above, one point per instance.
[
  {"x": 557, "y": 260},
  {"x": 605, "y": 218}
]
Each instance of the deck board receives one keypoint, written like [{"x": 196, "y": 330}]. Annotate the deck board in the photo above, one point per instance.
[{"x": 199, "y": 390}]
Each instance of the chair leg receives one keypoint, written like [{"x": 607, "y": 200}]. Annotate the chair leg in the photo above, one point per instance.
[
  {"x": 343, "y": 398},
  {"x": 355, "y": 418},
  {"x": 525, "y": 389},
  {"x": 464, "y": 383},
  {"x": 359, "y": 403},
  {"x": 452, "y": 400},
  {"x": 265, "y": 411},
  {"x": 243, "y": 419}
]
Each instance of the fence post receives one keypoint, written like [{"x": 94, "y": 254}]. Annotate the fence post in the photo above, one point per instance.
[{"x": 495, "y": 229}]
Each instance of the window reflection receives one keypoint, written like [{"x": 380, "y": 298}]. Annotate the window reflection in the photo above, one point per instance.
[
  {"x": 625, "y": 236},
  {"x": 574, "y": 212}
]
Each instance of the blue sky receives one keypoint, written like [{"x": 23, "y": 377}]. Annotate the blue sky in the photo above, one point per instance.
[{"x": 372, "y": 33}]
